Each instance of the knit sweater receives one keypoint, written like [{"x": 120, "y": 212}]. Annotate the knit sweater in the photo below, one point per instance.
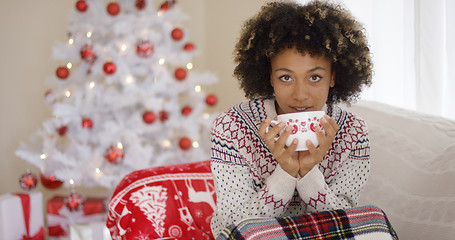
[{"x": 250, "y": 183}]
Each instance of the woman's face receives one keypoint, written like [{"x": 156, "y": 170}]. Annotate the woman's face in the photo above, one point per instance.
[{"x": 300, "y": 82}]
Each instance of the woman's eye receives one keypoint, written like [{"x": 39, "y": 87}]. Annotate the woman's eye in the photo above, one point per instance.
[
  {"x": 285, "y": 78},
  {"x": 315, "y": 78}
]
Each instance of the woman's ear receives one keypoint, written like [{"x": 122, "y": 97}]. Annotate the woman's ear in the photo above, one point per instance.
[
  {"x": 332, "y": 81},
  {"x": 271, "y": 82}
]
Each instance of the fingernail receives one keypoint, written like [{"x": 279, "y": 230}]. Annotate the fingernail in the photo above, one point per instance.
[
  {"x": 309, "y": 143},
  {"x": 281, "y": 124},
  {"x": 288, "y": 129},
  {"x": 323, "y": 120}
]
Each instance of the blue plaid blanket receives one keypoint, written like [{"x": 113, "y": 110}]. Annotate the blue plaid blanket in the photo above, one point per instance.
[{"x": 368, "y": 222}]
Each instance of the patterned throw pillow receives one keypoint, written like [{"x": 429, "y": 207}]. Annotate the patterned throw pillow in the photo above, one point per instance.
[{"x": 174, "y": 201}]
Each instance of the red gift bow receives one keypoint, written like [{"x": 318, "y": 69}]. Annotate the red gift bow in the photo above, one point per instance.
[
  {"x": 60, "y": 217},
  {"x": 25, "y": 200}
]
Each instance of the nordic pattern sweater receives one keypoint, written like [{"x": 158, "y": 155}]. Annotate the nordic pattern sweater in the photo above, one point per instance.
[{"x": 249, "y": 182}]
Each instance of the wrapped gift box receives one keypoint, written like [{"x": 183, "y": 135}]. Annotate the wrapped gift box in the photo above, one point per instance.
[
  {"x": 21, "y": 216},
  {"x": 90, "y": 231},
  {"x": 60, "y": 217}
]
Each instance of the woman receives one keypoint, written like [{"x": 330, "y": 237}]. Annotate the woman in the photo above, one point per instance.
[{"x": 293, "y": 58}]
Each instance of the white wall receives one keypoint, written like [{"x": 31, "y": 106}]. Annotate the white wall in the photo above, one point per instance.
[
  {"x": 30, "y": 29},
  {"x": 28, "y": 32}
]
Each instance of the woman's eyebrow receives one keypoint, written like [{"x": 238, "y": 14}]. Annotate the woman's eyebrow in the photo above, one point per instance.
[
  {"x": 284, "y": 69},
  {"x": 311, "y": 70},
  {"x": 317, "y": 68}
]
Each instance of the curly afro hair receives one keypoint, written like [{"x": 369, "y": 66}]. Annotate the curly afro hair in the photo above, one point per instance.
[{"x": 318, "y": 28}]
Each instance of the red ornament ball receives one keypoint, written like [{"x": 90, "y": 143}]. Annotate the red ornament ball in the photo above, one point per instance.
[
  {"x": 148, "y": 117},
  {"x": 211, "y": 100},
  {"x": 163, "y": 115},
  {"x": 74, "y": 202},
  {"x": 167, "y": 5},
  {"x": 62, "y": 130},
  {"x": 50, "y": 181},
  {"x": 180, "y": 74},
  {"x": 109, "y": 68},
  {"x": 140, "y": 4},
  {"x": 113, "y": 8},
  {"x": 87, "y": 123},
  {"x": 81, "y": 6},
  {"x": 114, "y": 154},
  {"x": 177, "y": 34},
  {"x": 87, "y": 53},
  {"x": 28, "y": 181},
  {"x": 62, "y": 72},
  {"x": 186, "y": 110},
  {"x": 185, "y": 143},
  {"x": 188, "y": 47},
  {"x": 144, "y": 49}
]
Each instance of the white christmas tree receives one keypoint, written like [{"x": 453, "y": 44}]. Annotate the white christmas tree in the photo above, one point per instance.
[{"x": 124, "y": 98}]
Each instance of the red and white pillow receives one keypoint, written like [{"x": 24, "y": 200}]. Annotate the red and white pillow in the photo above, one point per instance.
[{"x": 174, "y": 202}]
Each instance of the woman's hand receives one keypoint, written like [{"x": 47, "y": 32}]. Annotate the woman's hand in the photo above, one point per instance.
[
  {"x": 314, "y": 155},
  {"x": 287, "y": 157}
]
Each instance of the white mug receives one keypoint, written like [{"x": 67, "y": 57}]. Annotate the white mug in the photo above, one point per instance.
[{"x": 303, "y": 127}]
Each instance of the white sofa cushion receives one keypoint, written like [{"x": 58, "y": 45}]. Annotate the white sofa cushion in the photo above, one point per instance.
[{"x": 412, "y": 170}]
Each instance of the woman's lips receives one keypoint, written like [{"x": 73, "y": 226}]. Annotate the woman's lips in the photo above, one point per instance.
[{"x": 301, "y": 109}]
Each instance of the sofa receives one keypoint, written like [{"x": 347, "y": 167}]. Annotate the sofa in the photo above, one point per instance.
[{"x": 412, "y": 170}]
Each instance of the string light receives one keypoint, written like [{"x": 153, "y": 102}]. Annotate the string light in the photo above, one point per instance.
[
  {"x": 206, "y": 116},
  {"x": 129, "y": 79},
  {"x": 189, "y": 66},
  {"x": 166, "y": 143},
  {"x": 43, "y": 156},
  {"x": 195, "y": 144},
  {"x": 197, "y": 88},
  {"x": 69, "y": 65},
  {"x": 71, "y": 181},
  {"x": 98, "y": 171},
  {"x": 71, "y": 41},
  {"x": 68, "y": 93},
  {"x": 119, "y": 145},
  {"x": 92, "y": 85},
  {"x": 161, "y": 61},
  {"x": 89, "y": 34},
  {"x": 123, "y": 47}
]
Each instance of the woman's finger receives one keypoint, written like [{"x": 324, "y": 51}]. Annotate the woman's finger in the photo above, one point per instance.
[
  {"x": 285, "y": 153},
  {"x": 269, "y": 134},
  {"x": 311, "y": 148},
  {"x": 263, "y": 127},
  {"x": 281, "y": 140},
  {"x": 330, "y": 126}
]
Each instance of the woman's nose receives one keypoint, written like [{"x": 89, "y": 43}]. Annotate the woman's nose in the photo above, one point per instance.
[{"x": 300, "y": 92}]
